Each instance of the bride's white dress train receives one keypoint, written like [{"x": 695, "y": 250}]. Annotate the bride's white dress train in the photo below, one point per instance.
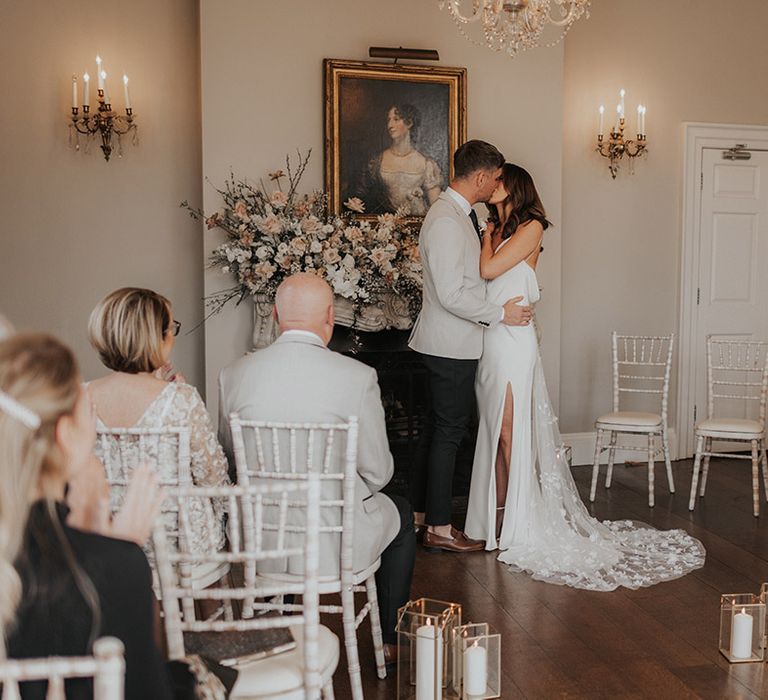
[{"x": 547, "y": 531}]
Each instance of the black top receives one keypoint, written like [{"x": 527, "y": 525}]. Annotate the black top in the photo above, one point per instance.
[{"x": 54, "y": 618}]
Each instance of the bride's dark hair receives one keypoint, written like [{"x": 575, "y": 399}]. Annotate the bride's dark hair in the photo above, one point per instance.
[{"x": 525, "y": 200}]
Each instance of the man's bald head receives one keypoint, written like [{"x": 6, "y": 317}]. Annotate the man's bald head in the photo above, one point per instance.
[{"x": 305, "y": 302}]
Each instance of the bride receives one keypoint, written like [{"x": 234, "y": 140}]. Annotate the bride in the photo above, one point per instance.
[{"x": 523, "y": 500}]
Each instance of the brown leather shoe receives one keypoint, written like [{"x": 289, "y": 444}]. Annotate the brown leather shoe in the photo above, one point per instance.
[{"x": 457, "y": 542}]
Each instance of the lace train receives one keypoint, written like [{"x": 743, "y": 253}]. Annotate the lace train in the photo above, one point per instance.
[{"x": 562, "y": 544}]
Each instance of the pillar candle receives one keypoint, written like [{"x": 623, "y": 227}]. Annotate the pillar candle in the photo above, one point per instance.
[
  {"x": 475, "y": 670},
  {"x": 74, "y": 92},
  {"x": 621, "y": 95},
  {"x": 429, "y": 670},
  {"x": 602, "y": 112},
  {"x": 741, "y": 635},
  {"x": 86, "y": 89},
  {"x": 127, "y": 94}
]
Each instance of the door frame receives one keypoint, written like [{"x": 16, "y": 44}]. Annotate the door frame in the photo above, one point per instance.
[{"x": 697, "y": 137}]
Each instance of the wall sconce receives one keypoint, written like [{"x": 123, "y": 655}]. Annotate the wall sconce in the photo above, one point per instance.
[
  {"x": 105, "y": 122},
  {"x": 616, "y": 147}
]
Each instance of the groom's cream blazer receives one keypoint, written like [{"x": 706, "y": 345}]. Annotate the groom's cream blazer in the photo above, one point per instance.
[
  {"x": 454, "y": 311},
  {"x": 297, "y": 379}
]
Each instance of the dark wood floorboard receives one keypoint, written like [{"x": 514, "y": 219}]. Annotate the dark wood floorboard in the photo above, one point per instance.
[{"x": 658, "y": 642}]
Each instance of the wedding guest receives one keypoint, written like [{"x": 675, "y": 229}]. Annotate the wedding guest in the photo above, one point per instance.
[
  {"x": 298, "y": 379},
  {"x": 62, "y": 588},
  {"x": 134, "y": 331}
]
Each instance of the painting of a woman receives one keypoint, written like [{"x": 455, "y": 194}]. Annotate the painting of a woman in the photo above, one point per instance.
[
  {"x": 390, "y": 131},
  {"x": 401, "y": 177}
]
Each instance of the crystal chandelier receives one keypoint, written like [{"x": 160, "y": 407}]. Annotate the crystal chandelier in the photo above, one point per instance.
[{"x": 514, "y": 25}]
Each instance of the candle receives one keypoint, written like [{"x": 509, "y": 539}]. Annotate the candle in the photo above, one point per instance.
[
  {"x": 602, "y": 112},
  {"x": 741, "y": 635},
  {"x": 644, "y": 110},
  {"x": 86, "y": 89},
  {"x": 621, "y": 95},
  {"x": 127, "y": 94},
  {"x": 103, "y": 82},
  {"x": 99, "y": 73},
  {"x": 618, "y": 118},
  {"x": 475, "y": 670},
  {"x": 429, "y": 670},
  {"x": 74, "y": 92},
  {"x": 639, "y": 120}
]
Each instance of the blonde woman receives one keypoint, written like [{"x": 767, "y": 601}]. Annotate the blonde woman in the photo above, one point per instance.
[
  {"x": 60, "y": 587},
  {"x": 133, "y": 331}
]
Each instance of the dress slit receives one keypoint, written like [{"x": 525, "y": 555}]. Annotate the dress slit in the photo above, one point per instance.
[{"x": 503, "y": 461}]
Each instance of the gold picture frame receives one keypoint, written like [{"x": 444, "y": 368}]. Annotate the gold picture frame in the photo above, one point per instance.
[{"x": 369, "y": 107}]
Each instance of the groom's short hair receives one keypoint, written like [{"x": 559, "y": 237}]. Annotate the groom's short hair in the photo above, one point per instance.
[{"x": 476, "y": 155}]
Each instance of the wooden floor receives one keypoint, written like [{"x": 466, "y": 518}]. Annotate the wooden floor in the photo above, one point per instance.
[{"x": 658, "y": 642}]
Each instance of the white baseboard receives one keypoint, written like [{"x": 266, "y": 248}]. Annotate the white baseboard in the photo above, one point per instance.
[{"x": 583, "y": 447}]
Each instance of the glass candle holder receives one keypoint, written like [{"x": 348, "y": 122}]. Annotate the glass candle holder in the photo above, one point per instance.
[
  {"x": 742, "y": 627},
  {"x": 425, "y": 659},
  {"x": 476, "y": 662}
]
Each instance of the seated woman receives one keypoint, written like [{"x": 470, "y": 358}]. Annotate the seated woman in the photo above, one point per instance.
[
  {"x": 133, "y": 330},
  {"x": 62, "y": 588}
]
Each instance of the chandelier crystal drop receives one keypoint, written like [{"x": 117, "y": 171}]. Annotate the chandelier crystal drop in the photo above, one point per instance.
[{"x": 513, "y": 26}]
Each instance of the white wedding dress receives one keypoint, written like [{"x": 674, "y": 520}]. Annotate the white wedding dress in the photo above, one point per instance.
[{"x": 547, "y": 530}]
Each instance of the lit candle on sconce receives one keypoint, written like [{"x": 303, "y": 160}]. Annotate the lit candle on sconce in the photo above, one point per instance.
[
  {"x": 103, "y": 81},
  {"x": 622, "y": 92},
  {"x": 618, "y": 118},
  {"x": 74, "y": 92},
  {"x": 602, "y": 112},
  {"x": 639, "y": 120},
  {"x": 127, "y": 94},
  {"x": 99, "y": 73},
  {"x": 86, "y": 89}
]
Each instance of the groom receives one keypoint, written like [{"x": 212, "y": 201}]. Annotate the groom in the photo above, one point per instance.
[{"x": 449, "y": 335}]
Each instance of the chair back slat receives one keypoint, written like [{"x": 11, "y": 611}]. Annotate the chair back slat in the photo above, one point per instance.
[
  {"x": 265, "y": 539},
  {"x": 328, "y": 450},
  {"x": 642, "y": 364},
  {"x": 737, "y": 378},
  {"x": 106, "y": 667}
]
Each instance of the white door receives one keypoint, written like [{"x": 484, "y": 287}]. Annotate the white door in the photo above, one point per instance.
[{"x": 732, "y": 286}]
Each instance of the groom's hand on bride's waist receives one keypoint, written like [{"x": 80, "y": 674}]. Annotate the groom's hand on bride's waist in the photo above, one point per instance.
[{"x": 515, "y": 314}]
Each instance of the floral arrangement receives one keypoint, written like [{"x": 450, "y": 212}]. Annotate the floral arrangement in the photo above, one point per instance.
[{"x": 274, "y": 232}]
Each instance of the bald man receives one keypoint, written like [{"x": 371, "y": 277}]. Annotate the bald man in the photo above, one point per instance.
[{"x": 298, "y": 379}]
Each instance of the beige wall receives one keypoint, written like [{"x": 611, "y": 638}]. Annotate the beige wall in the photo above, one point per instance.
[
  {"x": 262, "y": 98},
  {"x": 73, "y": 226},
  {"x": 686, "y": 61}
]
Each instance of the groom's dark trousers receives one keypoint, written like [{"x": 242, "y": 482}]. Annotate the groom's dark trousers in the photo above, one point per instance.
[{"x": 451, "y": 389}]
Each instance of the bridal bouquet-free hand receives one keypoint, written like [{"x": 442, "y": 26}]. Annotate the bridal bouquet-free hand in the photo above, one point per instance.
[{"x": 274, "y": 232}]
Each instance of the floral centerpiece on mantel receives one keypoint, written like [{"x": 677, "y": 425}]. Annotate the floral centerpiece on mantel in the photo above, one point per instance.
[{"x": 273, "y": 232}]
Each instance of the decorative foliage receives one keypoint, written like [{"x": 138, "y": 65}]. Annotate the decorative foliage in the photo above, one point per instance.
[{"x": 272, "y": 233}]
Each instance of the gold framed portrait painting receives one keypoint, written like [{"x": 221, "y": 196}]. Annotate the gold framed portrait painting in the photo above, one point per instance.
[{"x": 390, "y": 134}]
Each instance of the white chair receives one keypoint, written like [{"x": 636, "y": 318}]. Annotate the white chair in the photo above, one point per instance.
[
  {"x": 642, "y": 364},
  {"x": 167, "y": 449},
  {"x": 290, "y": 675},
  {"x": 737, "y": 372},
  {"x": 106, "y": 667},
  {"x": 296, "y": 448}
]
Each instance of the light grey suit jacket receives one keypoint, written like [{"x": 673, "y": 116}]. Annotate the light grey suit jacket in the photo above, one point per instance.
[
  {"x": 297, "y": 379},
  {"x": 454, "y": 310}
]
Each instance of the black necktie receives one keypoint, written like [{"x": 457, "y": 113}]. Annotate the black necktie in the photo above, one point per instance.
[{"x": 475, "y": 223}]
